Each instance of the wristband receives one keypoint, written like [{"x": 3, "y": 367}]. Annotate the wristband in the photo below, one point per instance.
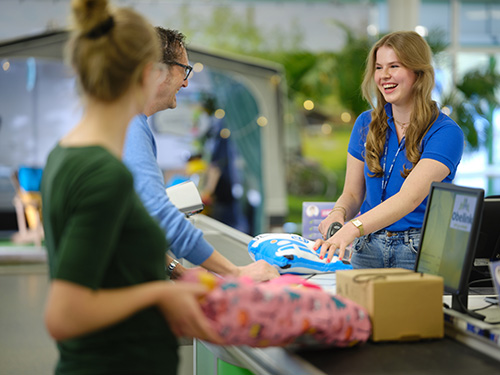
[{"x": 171, "y": 267}]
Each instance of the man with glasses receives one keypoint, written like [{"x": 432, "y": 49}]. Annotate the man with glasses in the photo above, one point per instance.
[
  {"x": 187, "y": 68},
  {"x": 140, "y": 154}
]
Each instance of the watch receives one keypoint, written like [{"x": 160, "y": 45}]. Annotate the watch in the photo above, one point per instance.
[
  {"x": 358, "y": 224},
  {"x": 171, "y": 267}
]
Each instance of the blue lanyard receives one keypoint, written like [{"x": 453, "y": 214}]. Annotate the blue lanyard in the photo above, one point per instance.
[{"x": 385, "y": 179}]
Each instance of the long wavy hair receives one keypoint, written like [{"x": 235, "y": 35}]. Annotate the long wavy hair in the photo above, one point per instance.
[{"x": 413, "y": 53}]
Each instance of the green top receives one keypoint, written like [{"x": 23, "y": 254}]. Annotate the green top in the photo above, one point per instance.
[{"x": 99, "y": 235}]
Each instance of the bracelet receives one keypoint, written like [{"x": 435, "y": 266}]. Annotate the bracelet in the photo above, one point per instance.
[
  {"x": 171, "y": 267},
  {"x": 338, "y": 208}
]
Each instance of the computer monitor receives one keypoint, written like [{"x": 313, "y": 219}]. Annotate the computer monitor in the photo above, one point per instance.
[
  {"x": 449, "y": 236},
  {"x": 488, "y": 246}
]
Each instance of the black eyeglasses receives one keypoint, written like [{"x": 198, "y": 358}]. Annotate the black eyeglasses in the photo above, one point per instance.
[{"x": 187, "y": 68}]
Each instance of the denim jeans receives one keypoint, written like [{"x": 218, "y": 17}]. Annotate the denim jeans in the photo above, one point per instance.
[{"x": 383, "y": 249}]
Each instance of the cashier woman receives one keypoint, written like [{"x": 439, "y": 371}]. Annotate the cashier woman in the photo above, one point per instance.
[{"x": 396, "y": 150}]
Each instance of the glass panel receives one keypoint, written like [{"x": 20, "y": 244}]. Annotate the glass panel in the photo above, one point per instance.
[
  {"x": 436, "y": 16},
  {"x": 487, "y": 124},
  {"x": 479, "y": 23}
]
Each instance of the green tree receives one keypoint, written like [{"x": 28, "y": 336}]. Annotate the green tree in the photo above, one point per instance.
[
  {"x": 474, "y": 102},
  {"x": 227, "y": 30},
  {"x": 349, "y": 70}
]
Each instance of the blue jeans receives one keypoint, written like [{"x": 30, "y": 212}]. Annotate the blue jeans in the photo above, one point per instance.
[{"x": 384, "y": 249}]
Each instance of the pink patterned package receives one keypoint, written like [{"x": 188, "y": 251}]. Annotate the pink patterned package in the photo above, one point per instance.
[{"x": 283, "y": 311}]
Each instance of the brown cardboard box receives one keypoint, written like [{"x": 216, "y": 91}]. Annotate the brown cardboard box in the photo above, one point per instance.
[{"x": 403, "y": 305}]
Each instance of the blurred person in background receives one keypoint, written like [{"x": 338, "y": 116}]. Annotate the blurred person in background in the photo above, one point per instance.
[{"x": 221, "y": 178}]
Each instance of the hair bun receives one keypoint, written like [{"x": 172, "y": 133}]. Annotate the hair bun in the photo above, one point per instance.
[{"x": 89, "y": 15}]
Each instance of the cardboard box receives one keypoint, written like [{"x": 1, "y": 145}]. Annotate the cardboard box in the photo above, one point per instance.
[{"x": 403, "y": 305}]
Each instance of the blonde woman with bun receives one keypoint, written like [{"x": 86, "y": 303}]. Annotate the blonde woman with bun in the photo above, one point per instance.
[
  {"x": 109, "y": 307},
  {"x": 396, "y": 150}
]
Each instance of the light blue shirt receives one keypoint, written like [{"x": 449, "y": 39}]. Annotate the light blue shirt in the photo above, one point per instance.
[{"x": 140, "y": 156}]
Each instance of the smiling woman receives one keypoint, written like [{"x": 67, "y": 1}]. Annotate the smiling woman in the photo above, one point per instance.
[
  {"x": 396, "y": 151},
  {"x": 395, "y": 82}
]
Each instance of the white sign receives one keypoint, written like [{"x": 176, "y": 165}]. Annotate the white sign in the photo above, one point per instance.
[{"x": 463, "y": 213}]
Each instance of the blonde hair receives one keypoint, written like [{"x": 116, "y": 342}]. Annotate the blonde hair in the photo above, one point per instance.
[
  {"x": 413, "y": 53},
  {"x": 109, "y": 48}
]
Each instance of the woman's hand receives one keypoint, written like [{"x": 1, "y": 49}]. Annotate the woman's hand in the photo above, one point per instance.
[
  {"x": 329, "y": 220},
  {"x": 339, "y": 240},
  {"x": 181, "y": 308}
]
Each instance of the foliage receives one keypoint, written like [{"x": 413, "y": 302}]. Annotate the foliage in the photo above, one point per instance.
[
  {"x": 334, "y": 78},
  {"x": 462, "y": 115},
  {"x": 328, "y": 77},
  {"x": 349, "y": 70},
  {"x": 329, "y": 150},
  {"x": 328, "y": 155},
  {"x": 295, "y": 206},
  {"x": 306, "y": 177},
  {"x": 473, "y": 102},
  {"x": 436, "y": 39},
  {"x": 228, "y": 30},
  {"x": 297, "y": 66}
]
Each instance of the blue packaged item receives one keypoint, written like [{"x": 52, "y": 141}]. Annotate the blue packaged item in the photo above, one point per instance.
[
  {"x": 30, "y": 178},
  {"x": 292, "y": 253}
]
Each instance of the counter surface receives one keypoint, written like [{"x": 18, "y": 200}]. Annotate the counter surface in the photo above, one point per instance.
[{"x": 443, "y": 356}]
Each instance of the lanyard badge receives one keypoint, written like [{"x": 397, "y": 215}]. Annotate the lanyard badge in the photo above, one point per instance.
[{"x": 385, "y": 178}]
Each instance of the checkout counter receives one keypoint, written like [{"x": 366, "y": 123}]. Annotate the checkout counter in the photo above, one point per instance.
[{"x": 461, "y": 351}]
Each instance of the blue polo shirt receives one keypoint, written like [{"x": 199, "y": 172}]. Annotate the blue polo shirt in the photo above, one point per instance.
[{"x": 443, "y": 142}]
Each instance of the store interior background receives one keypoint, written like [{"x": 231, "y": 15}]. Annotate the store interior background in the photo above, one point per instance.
[{"x": 310, "y": 39}]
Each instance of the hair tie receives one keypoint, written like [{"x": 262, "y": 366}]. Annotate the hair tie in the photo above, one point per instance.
[{"x": 101, "y": 29}]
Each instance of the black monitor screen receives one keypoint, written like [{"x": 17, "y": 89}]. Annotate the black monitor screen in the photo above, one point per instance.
[
  {"x": 488, "y": 246},
  {"x": 449, "y": 234}
]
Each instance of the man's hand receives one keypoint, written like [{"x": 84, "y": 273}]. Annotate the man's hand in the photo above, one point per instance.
[{"x": 259, "y": 271}]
